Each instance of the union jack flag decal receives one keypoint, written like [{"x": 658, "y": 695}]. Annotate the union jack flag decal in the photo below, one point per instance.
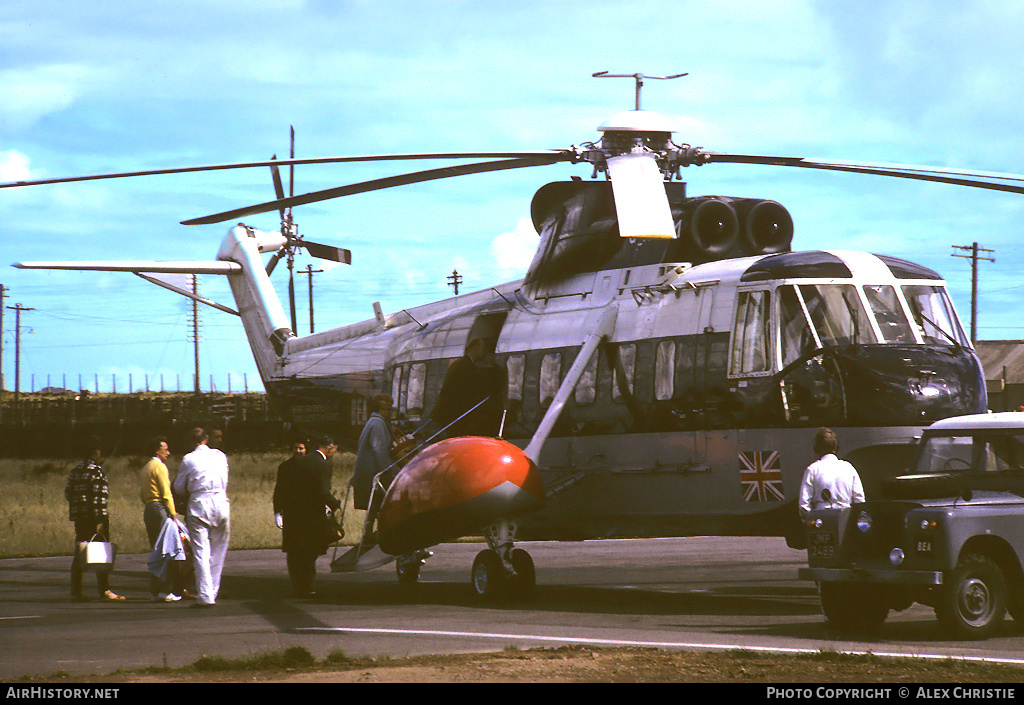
[{"x": 761, "y": 476}]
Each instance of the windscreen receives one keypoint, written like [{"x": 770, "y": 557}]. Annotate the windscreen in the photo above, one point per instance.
[
  {"x": 977, "y": 453},
  {"x": 934, "y": 314}
]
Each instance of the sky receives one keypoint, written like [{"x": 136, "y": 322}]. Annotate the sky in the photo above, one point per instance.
[{"x": 108, "y": 86}]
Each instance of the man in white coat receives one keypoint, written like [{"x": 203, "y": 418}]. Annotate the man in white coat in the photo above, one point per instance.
[
  {"x": 203, "y": 478},
  {"x": 839, "y": 477}
]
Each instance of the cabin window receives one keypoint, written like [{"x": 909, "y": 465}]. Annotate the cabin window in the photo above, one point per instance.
[
  {"x": 664, "y": 370},
  {"x": 396, "y": 384},
  {"x": 550, "y": 377},
  {"x": 516, "y": 366},
  {"x": 417, "y": 385},
  {"x": 837, "y": 314},
  {"x": 622, "y": 376},
  {"x": 358, "y": 410},
  {"x": 892, "y": 322},
  {"x": 751, "y": 333},
  {"x": 934, "y": 314},
  {"x": 586, "y": 388}
]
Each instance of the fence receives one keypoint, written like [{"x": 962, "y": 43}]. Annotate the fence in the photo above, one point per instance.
[
  {"x": 49, "y": 425},
  {"x": 115, "y": 384}
]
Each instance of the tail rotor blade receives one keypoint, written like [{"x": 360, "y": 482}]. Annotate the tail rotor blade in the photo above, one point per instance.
[
  {"x": 274, "y": 260},
  {"x": 278, "y": 186},
  {"x": 291, "y": 167},
  {"x": 328, "y": 252}
]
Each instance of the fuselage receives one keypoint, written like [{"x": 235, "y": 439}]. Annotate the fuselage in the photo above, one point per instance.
[{"x": 697, "y": 414}]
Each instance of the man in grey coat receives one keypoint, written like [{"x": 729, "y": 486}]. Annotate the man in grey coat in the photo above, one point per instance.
[{"x": 374, "y": 451}]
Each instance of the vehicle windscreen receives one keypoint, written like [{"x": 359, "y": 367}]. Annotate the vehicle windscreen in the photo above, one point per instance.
[{"x": 976, "y": 453}]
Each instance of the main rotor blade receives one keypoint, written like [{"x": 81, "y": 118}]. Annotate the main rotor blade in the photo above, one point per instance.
[
  {"x": 387, "y": 182},
  {"x": 957, "y": 177},
  {"x": 282, "y": 162},
  {"x": 641, "y": 202},
  {"x": 334, "y": 254}
]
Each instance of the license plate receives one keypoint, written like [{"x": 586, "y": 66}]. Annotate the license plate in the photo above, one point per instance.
[{"x": 821, "y": 545}]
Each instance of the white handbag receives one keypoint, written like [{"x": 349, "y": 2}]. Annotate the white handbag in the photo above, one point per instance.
[{"x": 97, "y": 555}]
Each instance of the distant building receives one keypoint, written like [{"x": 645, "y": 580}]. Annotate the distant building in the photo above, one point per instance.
[{"x": 1003, "y": 362}]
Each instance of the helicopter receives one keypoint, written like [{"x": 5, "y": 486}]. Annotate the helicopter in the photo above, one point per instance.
[{"x": 660, "y": 370}]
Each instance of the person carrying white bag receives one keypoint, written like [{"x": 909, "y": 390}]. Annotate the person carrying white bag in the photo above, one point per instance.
[{"x": 86, "y": 493}]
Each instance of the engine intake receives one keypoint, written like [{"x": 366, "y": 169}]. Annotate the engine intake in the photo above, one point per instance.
[{"x": 767, "y": 227}]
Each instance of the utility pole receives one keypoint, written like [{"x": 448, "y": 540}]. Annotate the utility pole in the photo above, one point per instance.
[
  {"x": 17, "y": 308},
  {"x": 974, "y": 249},
  {"x": 310, "y": 272},
  {"x": 195, "y": 329},
  {"x": 3, "y": 294},
  {"x": 454, "y": 279}
]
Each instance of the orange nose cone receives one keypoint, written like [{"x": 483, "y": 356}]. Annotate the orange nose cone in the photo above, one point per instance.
[{"x": 456, "y": 486}]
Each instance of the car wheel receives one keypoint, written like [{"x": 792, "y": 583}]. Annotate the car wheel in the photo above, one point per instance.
[{"x": 972, "y": 602}]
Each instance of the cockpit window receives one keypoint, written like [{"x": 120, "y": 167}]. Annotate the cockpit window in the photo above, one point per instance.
[
  {"x": 934, "y": 315},
  {"x": 892, "y": 322},
  {"x": 795, "y": 336},
  {"x": 837, "y": 314}
]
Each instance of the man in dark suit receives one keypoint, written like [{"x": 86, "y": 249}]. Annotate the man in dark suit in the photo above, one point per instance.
[
  {"x": 303, "y": 496},
  {"x": 463, "y": 387}
]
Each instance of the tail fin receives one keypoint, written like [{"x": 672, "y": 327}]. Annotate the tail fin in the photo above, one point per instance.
[{"x": 260, "y": 309}]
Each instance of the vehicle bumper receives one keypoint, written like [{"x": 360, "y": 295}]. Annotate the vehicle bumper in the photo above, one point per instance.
[{"x": 863, "y": 575}]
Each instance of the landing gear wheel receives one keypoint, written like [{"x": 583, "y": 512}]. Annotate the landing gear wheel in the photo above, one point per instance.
[
  {"x": 851, "y": 607},
  {"x": 488, "y": 576},
  {"x": 972, "y": 603},
  {"x": 522, "y": 583},
  {"x": 408, "y": 572}
]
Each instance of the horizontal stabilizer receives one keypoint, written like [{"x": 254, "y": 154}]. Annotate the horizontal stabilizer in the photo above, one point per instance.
[{"x": 181, "y": 267}]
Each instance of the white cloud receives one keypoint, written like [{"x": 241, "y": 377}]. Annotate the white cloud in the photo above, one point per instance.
[
  {"x": 31, "y": 94},
  {"x": 14, "y": 166},
  {"x": 513, "y": 251}
]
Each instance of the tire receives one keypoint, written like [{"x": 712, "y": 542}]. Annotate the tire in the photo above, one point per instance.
[
  {"x": 408, "y": 573},
  {"x": 522, "y": 583},
  {"x": 488, "y": 576},
  {"x": 934, "y": 486},
  {"x": 972, "y": 602},
  {"x": 853, "y": 607}
]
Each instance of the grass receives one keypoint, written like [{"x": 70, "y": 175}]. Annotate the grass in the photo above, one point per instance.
[
  {"x": 34, "y": 514},
  {"x": 577, "y": 663}
]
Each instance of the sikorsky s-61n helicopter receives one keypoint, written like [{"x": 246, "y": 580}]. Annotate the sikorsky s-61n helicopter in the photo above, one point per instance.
[{"x": 660, "y": 370}]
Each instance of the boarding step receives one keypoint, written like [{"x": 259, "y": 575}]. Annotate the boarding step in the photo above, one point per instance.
[{"x": 360, "y": 558}]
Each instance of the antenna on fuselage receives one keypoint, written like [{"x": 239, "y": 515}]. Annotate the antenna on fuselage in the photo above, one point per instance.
[{"x": 639, "y": 78}]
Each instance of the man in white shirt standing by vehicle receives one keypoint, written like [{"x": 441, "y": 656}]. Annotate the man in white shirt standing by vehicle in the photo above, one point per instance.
[
  {"x": 839, "y": 477},
  {"x": 203, "y": 478}
]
